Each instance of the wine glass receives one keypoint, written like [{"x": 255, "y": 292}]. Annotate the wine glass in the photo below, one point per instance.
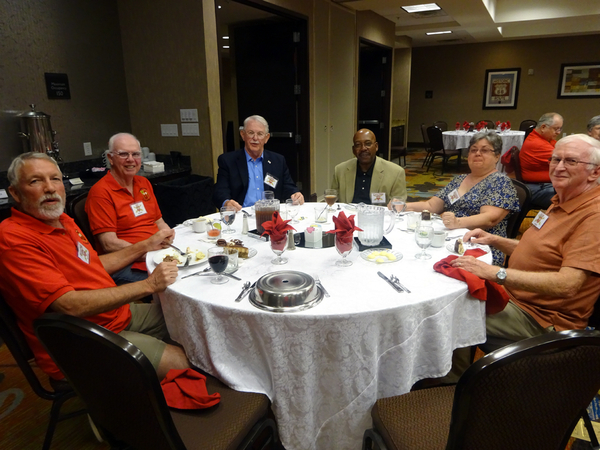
[
  {"x": 227, "y": 217},
  {"x": 398, "y": 206},
  {"x": 293, "y": 207},
  {"x": 218, "y": 259},
  {"x": 343, "y": 244},
  {"x": 278, "y": 245},
  {"x": 423, "y": 237},
  {"x": 331, "y": 196}
]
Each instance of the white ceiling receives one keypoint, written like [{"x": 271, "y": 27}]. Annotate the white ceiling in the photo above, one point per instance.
[{"x": 479, "y": 20}]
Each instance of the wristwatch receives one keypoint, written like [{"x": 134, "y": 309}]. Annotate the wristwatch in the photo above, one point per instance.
[{"x": 501, "y": 276}]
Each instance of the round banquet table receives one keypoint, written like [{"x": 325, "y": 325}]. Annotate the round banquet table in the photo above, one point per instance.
[
  {"x": 460, "y": 139},
  {"x": 323, "y": 368}
]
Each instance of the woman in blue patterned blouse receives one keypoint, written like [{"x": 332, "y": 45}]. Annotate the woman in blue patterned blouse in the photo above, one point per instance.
[{"x": 484, "y": 198}]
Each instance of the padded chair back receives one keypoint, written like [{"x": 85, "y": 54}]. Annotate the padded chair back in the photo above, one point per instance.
[
  {"x": 526, "y": 124},
  {"x": 76, "y": 209},
  {"x": 435, "y": 138},
  {"x": 19, "y": 348},
  {"x": 514, "y": 155},
  {"x": 514, "y": 221},
  {"x": 115, "y": 380},
  {"x": 528, "y": 131},
  {"x": 527, "y": 395},
  {"x": 441, "y": 125}
]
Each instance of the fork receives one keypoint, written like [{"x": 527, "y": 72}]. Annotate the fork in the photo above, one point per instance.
[
  {"x": 321, "y": 285},
  {"x": 187, "y": 260},
  {"x": 395, "y": 280},
  {"x": 179, "y": 250}
]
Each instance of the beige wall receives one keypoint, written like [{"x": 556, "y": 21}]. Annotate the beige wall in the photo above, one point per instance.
[
  {"x": 401, "y": 88},
  {"x": 83, "y": 41},
  {"x": 166, "y": 70},
  {"x": 456, "y": 75}
]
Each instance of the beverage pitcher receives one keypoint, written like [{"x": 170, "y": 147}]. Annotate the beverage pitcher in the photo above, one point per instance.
[{"x": 371, "y": 220}]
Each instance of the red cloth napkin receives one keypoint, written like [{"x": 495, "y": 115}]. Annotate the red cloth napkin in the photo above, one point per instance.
[
  {"x": 277, "y": 226},
  {"x": 186, "y": 389},
  {"x": 491, "y": 292},
  {"x": 507, "y": 161},
  {"x": 343, "y": 225}
]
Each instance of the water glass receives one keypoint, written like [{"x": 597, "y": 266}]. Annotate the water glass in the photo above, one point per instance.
[
  {"x": 423, "y": 237},
  {"x": 293, "y": 208},
  {"x": 320, "y": 214},
  {"x": 227, "y": 217},
  {"x": 413, "y": 220},
  {"x": 398, "y": 206}
]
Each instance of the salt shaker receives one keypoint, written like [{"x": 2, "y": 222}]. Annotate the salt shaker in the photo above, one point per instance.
[
  {"x": 290, "y": 244},
  {"x": 245, "y": 225}
]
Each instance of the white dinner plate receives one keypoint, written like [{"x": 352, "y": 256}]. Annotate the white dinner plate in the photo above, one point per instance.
[
  {"x": 374, "y": 255},
  {"x": 160, "y": 255},
  {"x": 251, "y": 253}
]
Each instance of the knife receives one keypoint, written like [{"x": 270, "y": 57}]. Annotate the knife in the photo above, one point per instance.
[
  {"x": 396, "y": 288},
  {"x": 245, "y": 292}
]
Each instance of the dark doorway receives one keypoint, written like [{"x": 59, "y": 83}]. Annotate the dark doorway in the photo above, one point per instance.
[
  {"x": 374, "y": 92},
  {"x": 266, "y": 70}
]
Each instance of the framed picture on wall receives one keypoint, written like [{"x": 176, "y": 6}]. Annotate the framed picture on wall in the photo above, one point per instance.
[
  {"x": 579, "y": 80},
  {"x": 501, "y": 88}
]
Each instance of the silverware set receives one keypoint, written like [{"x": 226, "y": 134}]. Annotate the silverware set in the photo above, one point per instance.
[
  {"x": 245, "y": 290},
  {"x": 394, "y": 282}
]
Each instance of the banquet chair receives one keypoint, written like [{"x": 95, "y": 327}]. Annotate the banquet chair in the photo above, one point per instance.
[
  {"x": 529, "y": 394},
  {"x": 528, "y": 131},
  {"x": 398, "y": 149},
  {"x": 437, "y": 149},
  {"x": 125, "y": 400},
  {"x": 76, "y": 210},
  {"x": 514, "y": 152},
  {"x": 441, "y": 125},
  {"x": 61, "y": 391},
  {"x": 514, "y": 221},
  {"x": 526, "y": 124},
  {"x": 426, "y": 143}
]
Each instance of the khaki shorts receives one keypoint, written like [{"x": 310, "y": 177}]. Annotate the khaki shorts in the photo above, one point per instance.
[{"x": 147, "y": 330}]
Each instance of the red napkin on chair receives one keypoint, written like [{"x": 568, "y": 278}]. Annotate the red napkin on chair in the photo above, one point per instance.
[
  {"x": 186, "y": 389},
  {"x": 491, "y": 292},
  {"x": 277, "y": 226}
]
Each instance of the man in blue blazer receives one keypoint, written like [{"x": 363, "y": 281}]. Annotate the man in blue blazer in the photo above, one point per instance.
[{"x": 246, "y": 173}]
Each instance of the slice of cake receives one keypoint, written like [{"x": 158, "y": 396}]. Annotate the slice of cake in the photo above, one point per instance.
[
  {"x": 459, "y": 247},
  {"x": 235, "y": 244}
]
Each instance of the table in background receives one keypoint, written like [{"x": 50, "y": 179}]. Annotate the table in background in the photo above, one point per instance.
[
  {"x": 324, "y": 368},
  {"x": 460, "y": 139}
]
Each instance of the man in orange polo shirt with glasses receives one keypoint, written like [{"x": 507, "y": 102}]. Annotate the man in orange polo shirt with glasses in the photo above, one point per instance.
[
  {"x": 122, "y": 208},
  {"x": 47, "y": 264}
]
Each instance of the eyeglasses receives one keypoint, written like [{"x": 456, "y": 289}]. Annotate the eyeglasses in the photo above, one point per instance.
[
  {"x": 251, "y": 134},
  {"x": 125, "y": 155},
  {"x": 483, "y": 151},
  {"x": 367, "y": 145},
  {"x": 557, "y": 129},
  {"x": 568, "y": 162}
]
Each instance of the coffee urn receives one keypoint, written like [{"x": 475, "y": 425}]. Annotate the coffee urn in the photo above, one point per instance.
[{"x": 37, "y": 133}]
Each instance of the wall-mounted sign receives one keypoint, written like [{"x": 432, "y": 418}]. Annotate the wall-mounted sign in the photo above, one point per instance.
[{"x": 57, "y": 86}]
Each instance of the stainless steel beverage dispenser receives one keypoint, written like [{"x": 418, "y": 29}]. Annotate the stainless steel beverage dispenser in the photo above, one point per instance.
[{"x": 37, "y": 133}]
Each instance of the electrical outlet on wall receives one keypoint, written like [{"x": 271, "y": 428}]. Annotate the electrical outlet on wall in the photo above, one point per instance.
[{"x": 87, "y": 148}]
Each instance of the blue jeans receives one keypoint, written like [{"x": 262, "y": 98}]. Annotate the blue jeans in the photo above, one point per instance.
[
  {"x": 128, "y": 275},
  {"x": 541, "y": 194}
]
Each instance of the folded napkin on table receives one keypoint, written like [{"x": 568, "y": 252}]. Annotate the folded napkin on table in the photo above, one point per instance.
[
  {"x": 277, "y": 226},
  {"x": 186, "y": 389},
  {"x": 495, "y": 296},
  {"x": 343, "y": 224}
]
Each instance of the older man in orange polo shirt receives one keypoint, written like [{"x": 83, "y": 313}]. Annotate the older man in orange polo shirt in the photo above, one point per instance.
[
  {"x": 47, "y": 264},
  {"x": 122, "y": 208},
  {"x": 553, "y": 275}
]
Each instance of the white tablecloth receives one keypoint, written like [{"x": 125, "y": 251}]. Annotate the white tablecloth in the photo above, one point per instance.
[
  {"x": 460, "y": 139},
  {"x": 324, "y": 368}
]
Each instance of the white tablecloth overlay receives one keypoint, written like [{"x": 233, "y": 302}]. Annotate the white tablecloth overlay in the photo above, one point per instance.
[
  {"x": 323, "y": 368},
  {"x": 460, "y": 139}
]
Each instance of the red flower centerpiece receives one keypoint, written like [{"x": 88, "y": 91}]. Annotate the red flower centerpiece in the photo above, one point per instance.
[
  {"x": 277, "y": 229},
  {"x": 466, "y": 126},
  {"x": 457, "y": 126},
  {"x": 344, "y": 229},
  {"x": 508, "y": 125}
]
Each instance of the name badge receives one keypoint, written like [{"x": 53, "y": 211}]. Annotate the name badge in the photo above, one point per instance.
[
  {"x": 83, "y": 253},
  {"x": 453, "y": 196},
  {"x": 138, "y": 209},
  {"x": 377, "y": 197},
  {"x": 270, "y": 180},
  {"x": 539, "y": 220}
]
